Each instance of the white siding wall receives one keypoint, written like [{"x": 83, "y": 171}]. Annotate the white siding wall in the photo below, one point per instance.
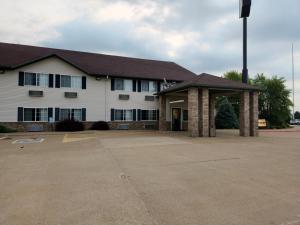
[{"x": 93, "y": 98}]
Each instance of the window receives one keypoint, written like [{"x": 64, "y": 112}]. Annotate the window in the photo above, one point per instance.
[
  {"x": 36, "y": 114},
  {"x": 149, "y": 114},
  {"x": 64, "y": 114},
  {"x": 67, "y": 114},
  {"x": 68, "y": 81},
  {"x": 76, "y": 114},
  {"x": 123, "y": 85},
  {"x": 36, "y": 79},
  {"x": 145, "y": 86},
  {"x": 124, "y": 114},
  {"x": 148, "y": 86},
  {"x": 152, "y": 86},
  {"x": 185, "y": 115}
]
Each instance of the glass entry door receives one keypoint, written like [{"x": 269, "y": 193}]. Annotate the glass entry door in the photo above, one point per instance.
[{"x": 176, "y": 119}]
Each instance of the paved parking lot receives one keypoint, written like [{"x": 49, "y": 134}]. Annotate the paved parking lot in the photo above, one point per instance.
[{"x": 139, "y": 177}]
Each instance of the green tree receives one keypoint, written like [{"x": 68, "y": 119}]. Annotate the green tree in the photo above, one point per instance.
[
  {"x": 297, "y": 115},
  {"x": 234, "y": 99},
  {"x": 274, "y": 102},
  {"x": 226, "y": 117},
  {"x": 233, "y": 75}
]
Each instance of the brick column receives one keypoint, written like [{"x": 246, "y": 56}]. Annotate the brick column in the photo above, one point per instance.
[
  {"x": 212, "y": 109},
  {"x": 204, "y": 112},
  {"x": 254, "y": 114},
  {"x": 162, "y": 124},
  {"x": 244, "y": 114},
  {"x": 193, "y": 112}
]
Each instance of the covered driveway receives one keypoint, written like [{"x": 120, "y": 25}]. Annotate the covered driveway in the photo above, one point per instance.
[{"x": 191, "y": 106}]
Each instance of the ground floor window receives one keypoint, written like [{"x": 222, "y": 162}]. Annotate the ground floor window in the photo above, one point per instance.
[
  {"x": 66, "y": 114},
  {"x": 185, "y": 115},
  {"x": 36, "y": 114},
  {"x": 149, "y": 115},
  {"x": 124, "y": 114}
]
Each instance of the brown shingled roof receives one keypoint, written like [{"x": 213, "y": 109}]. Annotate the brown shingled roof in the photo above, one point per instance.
[
  {"x": 212, "y": 82},
  {"x": 13, "y": 56}
]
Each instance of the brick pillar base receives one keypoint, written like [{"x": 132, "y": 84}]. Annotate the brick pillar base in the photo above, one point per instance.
[
  {"x": 244, "y": 114},
  {"x": 162, "y": 125},
  {"x": 193, "y": 109},
  {"x": 212, "y": 123},
  {"x": 204, "y": 112},
  {"x": 254, "y": 114}
]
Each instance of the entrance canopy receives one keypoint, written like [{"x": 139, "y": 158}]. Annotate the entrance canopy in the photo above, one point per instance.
[{"x": 191, "y": 105}]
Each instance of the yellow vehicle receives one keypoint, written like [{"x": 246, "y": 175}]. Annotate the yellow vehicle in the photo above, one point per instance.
[{"x": 262, "y": 123}]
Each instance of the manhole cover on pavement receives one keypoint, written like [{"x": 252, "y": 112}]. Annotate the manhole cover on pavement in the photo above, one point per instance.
[{"x": 28, "y": 141}]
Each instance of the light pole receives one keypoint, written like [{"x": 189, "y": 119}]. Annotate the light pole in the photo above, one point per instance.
[{"x": 245, "y": 6}]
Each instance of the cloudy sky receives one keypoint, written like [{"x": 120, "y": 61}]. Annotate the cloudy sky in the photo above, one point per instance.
[{"x": 201, "y": 35}]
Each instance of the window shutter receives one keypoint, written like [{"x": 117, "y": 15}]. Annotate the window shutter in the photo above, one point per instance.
[
  {"x": 71, "y": 116},
  {"x": 134, "y": 85},
  {"x": 139, "y": 86},
  {"x": 157, "y": 114},
  {"x": 134, "y": 114},
  {"x": 112, "y": 115},
  {"x": 57, "y": 81},
  {"x": 20, "y": 114},
  {"x": 158, "y": 86},
  {"x": 139, "y": 114},
  {"x": 50, "y": 85},
  {"x": 50, "y": 114},
  {"x": 83, "y": 82},
  {"x": 83, "y": 114},
  {"x": 112, "y": 82},
  {"x": 56, "y": 114},
  {"x": 21, "y": 78}
]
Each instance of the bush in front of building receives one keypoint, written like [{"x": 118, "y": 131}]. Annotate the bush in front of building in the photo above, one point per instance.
[
  {"x": 226, "y": 117},
  {"x": 4, "y": 129},
  {"x": 69, "y": 125},
  {"x": 100, "y": 125}
]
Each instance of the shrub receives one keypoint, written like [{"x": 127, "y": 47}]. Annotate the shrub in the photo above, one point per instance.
[
  {"x": 100, "y": 125},
  {"x": 226, "y": 117},
  {"x": 4, "y": 129},
  {"x": 69, "y": 125}
]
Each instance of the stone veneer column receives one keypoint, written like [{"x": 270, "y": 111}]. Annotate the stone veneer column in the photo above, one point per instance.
[
  {"x": 244, "y": 114},
  {"x": 204, "y": 112},
  {"x": 212, "y": 109},
  {"x": 162, "y": 124},
  {"x": 254, "y": 114},
  {"x": 193, "y": 112}
]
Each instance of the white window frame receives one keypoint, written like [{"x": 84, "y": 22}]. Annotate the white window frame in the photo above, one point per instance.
[
  {"x": 123, "y": 115},
  {"x": 148, "y": 115},
  {"x": 72, "y": 86},
  {"x": 70, "y": 115},
  {"x": 35, "y": 114},
  {"x": 37, "y": 78}
]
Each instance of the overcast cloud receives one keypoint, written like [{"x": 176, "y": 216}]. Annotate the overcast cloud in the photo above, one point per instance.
[{"x": 201, "y": 35}]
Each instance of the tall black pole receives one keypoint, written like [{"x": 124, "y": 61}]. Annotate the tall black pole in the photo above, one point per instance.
[{"x": 245, "y": 69}]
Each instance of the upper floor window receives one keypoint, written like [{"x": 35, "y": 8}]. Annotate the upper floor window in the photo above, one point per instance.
[
  {"x": 123, "y": 85},
  {"x": 70, "y": 81},
  {"x": 148, "y": 86},
  {"x": 36, "y": 79},
  {"x": 36, "y": 114}
]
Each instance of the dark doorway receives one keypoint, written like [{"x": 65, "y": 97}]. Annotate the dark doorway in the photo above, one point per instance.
[{"x": 176, "y": 119}]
